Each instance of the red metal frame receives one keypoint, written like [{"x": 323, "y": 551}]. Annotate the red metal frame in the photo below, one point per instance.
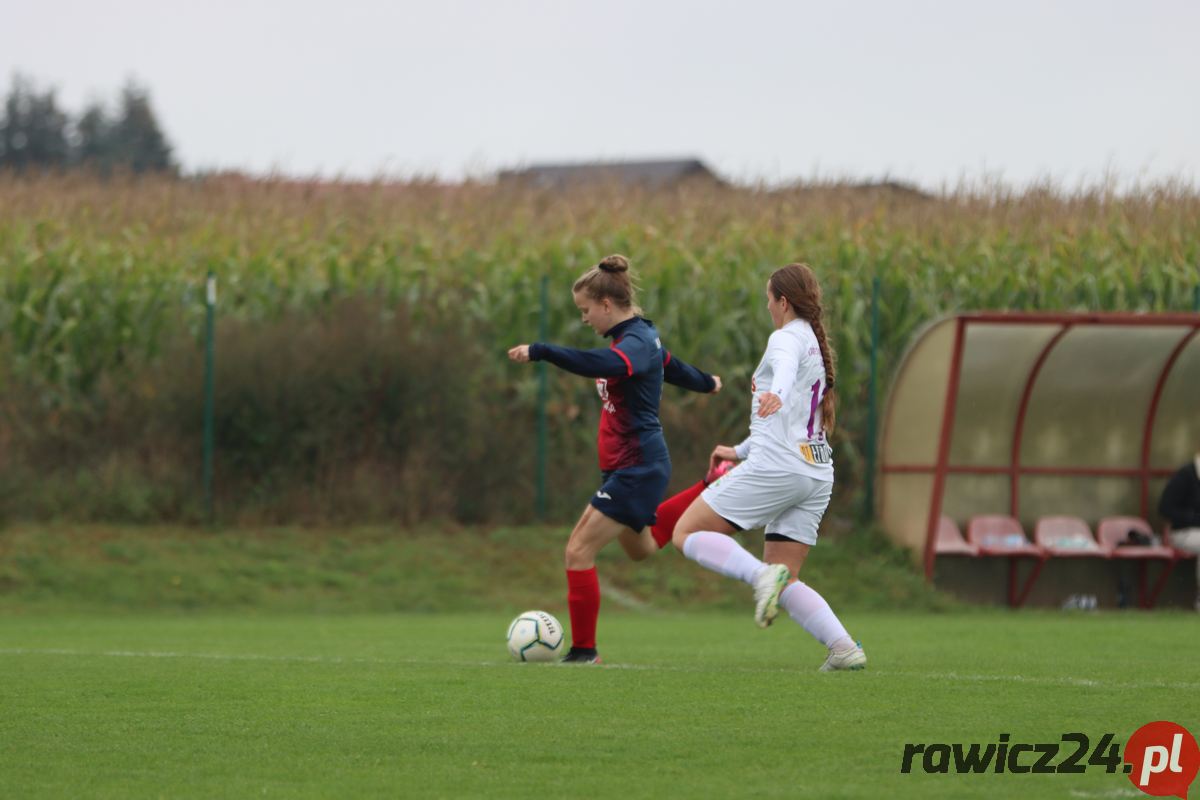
[
  {"x": 1148, "y": 600},
  {"x": 939, "y": 478},
  {"x": 1019, "y": 428},
  {"x": 973, "y": 469},
  {"x": 1152, "y": 416},
  {"x": 1017, "y": 599},
  {"x": 1169, "y": 319},
  {"x": 1015, "y": 470},
  {"x": 888, "y": 412}
]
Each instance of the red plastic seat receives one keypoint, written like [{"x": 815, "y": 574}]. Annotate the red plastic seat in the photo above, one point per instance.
[
  {"x": 999, "y": 535},
  {"x": 950, "y": 541},
  {"x": 1114, "y": 530},
  {"x": 1067, "y": 537}
]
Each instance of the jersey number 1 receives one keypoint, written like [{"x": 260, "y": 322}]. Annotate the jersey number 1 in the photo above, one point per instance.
[{"x": 812, "y": 407}]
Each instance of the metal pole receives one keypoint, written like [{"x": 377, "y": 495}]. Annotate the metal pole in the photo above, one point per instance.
[
  {"x": 868, "y": 509},
  {"x": 943, "y": 456},
  {"x": 210, "y": 305},
  {"x": 542, "y": 399}
]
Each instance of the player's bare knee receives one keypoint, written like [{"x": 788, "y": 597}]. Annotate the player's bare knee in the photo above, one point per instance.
[
  {"x": 679, "y": 536},
  {"x": 578, "y": 556}
]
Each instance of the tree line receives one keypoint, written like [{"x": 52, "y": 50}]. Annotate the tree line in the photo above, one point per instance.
[{"x": 36, "y": 134}]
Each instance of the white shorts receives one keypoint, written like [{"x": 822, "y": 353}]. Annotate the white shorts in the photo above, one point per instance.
[{"x": 783, "y": 503}]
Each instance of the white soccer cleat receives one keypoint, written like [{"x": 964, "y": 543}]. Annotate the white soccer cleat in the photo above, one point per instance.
[
  {"x": 850, "y": 658},
  {"x": 769, "y": 584}
]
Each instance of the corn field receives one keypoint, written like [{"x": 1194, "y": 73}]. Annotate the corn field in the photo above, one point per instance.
[{"x": 362, "y": 328}]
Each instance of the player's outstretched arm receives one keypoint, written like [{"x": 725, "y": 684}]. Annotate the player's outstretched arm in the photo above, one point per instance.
[
  {"x": 598, "y": 363},
  {"x": 679, "y": 373}
]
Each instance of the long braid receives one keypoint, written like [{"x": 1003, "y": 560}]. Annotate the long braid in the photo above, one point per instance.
[{"x": 828, "y": 403}]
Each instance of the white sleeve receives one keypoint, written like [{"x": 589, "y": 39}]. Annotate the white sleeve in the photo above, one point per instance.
[
  {"x": 783, "y": 353},
  {"x": 742, "y": 449}
]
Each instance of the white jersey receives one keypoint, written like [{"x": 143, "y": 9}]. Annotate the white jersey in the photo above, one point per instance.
[{"x": 791, "y": 439}]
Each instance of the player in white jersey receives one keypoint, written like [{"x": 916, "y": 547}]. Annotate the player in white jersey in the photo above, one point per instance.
[{"x": 786, "y": 476}]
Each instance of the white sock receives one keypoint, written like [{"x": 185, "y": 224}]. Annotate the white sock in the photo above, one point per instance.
[
  {"x": 722, "y": 554},
  {"x": 812, "y": 613}
]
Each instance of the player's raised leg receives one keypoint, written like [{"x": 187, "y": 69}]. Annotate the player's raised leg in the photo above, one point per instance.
[
  {"x": 671, "y": 509},
  {"x": 638, "y": 545},
  {"x": 703, "y": 535}
]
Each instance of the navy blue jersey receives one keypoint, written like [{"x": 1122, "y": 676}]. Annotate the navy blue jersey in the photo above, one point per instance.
[{"x": 629, "y": 377}]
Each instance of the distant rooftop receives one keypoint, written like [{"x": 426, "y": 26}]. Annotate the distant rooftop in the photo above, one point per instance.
[{"x": 650, "y": 174}]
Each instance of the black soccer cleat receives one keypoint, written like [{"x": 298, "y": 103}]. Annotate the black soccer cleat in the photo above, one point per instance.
[{"x": 581, "y": 655}]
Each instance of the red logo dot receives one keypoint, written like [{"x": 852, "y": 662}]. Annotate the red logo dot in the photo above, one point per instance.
[{"x": 1164, "y": 758}]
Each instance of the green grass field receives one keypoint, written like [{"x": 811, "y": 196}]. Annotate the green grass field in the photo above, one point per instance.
[{"x": 687, "y": 705}]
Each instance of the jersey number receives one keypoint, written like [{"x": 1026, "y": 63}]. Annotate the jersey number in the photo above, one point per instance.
[{"x": 813, "y": 406}]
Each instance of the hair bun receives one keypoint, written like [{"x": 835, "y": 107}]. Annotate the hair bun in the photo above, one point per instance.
[{"x": 614, "y": 264}]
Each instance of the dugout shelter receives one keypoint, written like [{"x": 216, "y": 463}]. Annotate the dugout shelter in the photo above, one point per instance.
[{"x": 1033, "y": 415}]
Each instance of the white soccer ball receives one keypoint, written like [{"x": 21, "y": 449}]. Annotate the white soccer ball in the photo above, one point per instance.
[{"x": 535, "y": 636}]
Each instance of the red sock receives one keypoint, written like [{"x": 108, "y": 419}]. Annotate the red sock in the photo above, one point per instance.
[
  {"x": 583, "y": 599},
  {"x": 670, "y": 510}
]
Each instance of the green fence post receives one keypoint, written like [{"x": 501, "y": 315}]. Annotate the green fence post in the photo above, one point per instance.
[
  {"x": 210, "y": 306},
  {"x": 542, "y": 399},
  {"x": 868, "y": 509},
  {"x": 1196, "y": 298}
]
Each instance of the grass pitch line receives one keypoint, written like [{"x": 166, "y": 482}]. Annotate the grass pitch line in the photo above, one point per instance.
[
  {"x": 623, "y": 598},
  {"x": 1086, "y": 683},
  {"x": 17, "y": 651}
]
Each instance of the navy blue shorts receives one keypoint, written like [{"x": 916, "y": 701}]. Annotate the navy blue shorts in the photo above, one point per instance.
[{"x": 631, "y": 495}]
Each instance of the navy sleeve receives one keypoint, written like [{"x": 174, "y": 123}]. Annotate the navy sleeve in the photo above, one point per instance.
[
  {"x": 685, "y": 375},
  {"x": 599, "y": 363},
  {"x": 640, "y": 356}
]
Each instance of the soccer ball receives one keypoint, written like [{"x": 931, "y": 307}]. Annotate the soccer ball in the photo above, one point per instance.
[{"x": 535, "y": 636}]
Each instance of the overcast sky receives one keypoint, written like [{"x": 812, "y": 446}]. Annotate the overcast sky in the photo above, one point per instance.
[{"x": 921, "y": 91}]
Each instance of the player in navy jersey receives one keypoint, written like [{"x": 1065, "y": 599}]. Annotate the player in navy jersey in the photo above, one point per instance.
[{"x": 634, "y": 463}]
